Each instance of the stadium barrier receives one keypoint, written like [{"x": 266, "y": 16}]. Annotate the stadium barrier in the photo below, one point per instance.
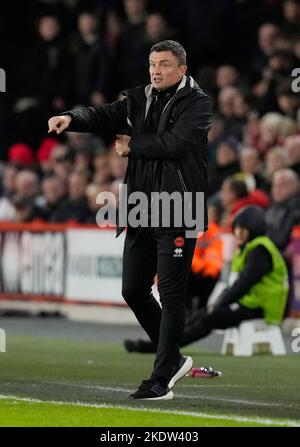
[{"x": 82, "y": 264}]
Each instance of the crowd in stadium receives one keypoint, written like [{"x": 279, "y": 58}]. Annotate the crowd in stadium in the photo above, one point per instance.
[{"x": 88, "y": 52}]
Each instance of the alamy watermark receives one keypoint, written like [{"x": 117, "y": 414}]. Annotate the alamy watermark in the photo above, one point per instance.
[
  {"x": 165, "y": 210},
  {"x": 296, "y": 82},
  {"x": 2, "y": 340},
  {"x": 2, "y": 81},
  {"x": 296, "y": 342}
]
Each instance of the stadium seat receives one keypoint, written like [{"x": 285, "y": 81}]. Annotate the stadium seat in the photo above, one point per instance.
[{"x": 251, "y": 336}]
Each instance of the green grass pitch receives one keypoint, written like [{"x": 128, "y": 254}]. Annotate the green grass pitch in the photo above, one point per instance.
[{"x": 58, "y": 382}]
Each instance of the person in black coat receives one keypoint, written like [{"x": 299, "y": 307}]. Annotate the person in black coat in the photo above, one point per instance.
[{"x": 166, "y": 148}]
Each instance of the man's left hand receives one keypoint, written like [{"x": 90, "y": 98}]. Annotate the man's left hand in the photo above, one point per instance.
[{"x": 121, "y": 145}]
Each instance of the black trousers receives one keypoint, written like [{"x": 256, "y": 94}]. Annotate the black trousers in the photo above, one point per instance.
[
  {"x": 202, "y": 323},
  {"x": 148, "y": 251}
]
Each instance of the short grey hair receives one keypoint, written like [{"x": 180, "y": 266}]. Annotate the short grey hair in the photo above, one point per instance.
[{"x": 171, "y": 45}]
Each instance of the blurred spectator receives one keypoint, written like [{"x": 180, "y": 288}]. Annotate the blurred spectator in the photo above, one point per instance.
[
  {"x": 7, "y": 211},
  {"x": 291, "y": 13},
  {"x": 75, "y": 207},
  {"x": 227, "y": 163},
  {"x": 8, "y": 179},
  {"x": 61, "y": 161},
  {"x": 25, "y": 209},
  {"x": 44, "y": 152},
  {"x": 226, "y": 76},
  {"x": 51, "y": 67},
  {"x": 267, "y": 33},
  {"x": 102, "y": 174},
  {"x": 54, "y": 193},
  {"x": 157, "y": 29},
  {"x": 131, "y": 60},
  {"x": 118, "y": 165},
  {"x": 251, "y": 163},
  {"x": 278, "y": 68},
  {"x": 235, "y": 194},
  {"x": 27, "y": 185},
  {"x": 284, "y": 211},
  {"x": 275, "y": 159},
  {"x": 92, "y": 193},
  {"x": 229, "y": 105},
  {"x": 288, "y": 101},
  {"x": 91, "y": 58},
  {"x": 207, "y": 262},
  {"x": 270, "y": 131},
  {"x": 82, "y": 160},
  {"x": 292, "y": 150}
]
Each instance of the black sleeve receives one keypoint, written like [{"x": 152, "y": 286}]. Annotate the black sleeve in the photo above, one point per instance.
[
  {"x": 258, "y": 263},
  {"x": 107, "y": 119},
  {"x": 185, "y": 134}
]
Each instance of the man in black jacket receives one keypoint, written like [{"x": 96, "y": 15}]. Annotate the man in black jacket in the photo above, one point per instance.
[{"x": 166, "y": 147}]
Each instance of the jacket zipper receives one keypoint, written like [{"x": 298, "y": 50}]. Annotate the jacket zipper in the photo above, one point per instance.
[{"x": 183, "y": 185}]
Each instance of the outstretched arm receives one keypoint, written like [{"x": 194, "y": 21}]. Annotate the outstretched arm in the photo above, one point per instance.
[{"x": 106, "y": 119}]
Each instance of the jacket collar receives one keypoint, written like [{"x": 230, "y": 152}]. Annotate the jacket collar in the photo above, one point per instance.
[{"x": 185, "y": 86}]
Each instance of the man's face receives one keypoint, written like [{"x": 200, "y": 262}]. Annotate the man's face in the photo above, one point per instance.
[
  {"x": 283, "y": 188},
  {"x": 165, "y": 69}
]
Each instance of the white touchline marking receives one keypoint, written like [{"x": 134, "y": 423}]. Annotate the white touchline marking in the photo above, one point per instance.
[
  {"x": 263, "y": 421},
  {"x": 184, "y": 396}
]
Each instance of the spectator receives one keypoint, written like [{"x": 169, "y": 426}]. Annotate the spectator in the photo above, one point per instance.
[
  {"x": 91, "y": 58},
  {"x": 251, "y": 163},
  {"x": 227, "y": 163},
  {"x": 92, "y": 192},
  {"x": 8, "y": 180},
  {"x": 207, "y": 262},
  {"x": 157, "y": 29},
  {"x": 292, "y": 150},
  {"x": 51, "y": 67},
  {"x": 101, "y": 163},
  {"x": 25, "y": 209},
  {"x": 284, "y": 211},
  {"x": 130, "y": 54},
  {"x": 61, "y": 161},
  {"x": 44, "y": 153},
  {"x": 288, "y": 101},
  {"x": 226, "y": 76},
  {"x": 275, "y": 159},
  {"x": 54, "y": 193},
  {"x": 7, "y": 211},
  {"x": 267, "y": 33},
  {"x": 270, "y": 125},
  {"x": 27, "y": 185},
  {"x": 75, "y": 206},
  {"x": 235, "y": 194},
  {"x": 291, "y": 13}
]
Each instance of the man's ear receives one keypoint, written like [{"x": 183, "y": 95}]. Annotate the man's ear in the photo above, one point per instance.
[{"x": 183, "y": 70}]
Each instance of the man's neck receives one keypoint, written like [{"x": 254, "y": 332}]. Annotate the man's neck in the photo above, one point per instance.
[{"x": 171, "y": 89}]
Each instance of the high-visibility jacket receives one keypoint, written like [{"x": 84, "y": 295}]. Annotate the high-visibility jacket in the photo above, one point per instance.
[{"x": 208, "y": 254}]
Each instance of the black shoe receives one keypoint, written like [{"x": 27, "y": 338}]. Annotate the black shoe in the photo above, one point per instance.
[
  {"x": 142, "y": 346},
  {"x": 152, "y": 390},
  {"x": 185, "y": 365}
]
